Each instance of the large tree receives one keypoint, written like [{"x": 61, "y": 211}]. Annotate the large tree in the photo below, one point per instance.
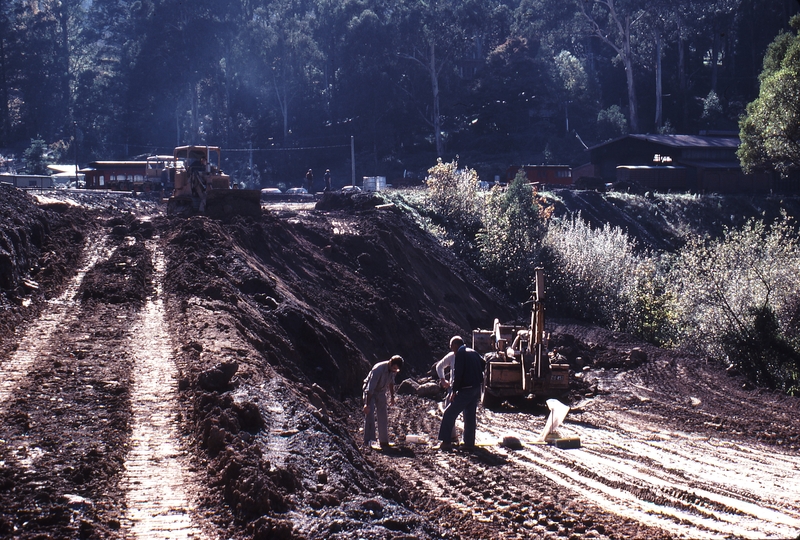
[
  {"x": 435, "y": 34},
  {"x": 614, "y": 23},
  {"x": 770, "y": 130}
]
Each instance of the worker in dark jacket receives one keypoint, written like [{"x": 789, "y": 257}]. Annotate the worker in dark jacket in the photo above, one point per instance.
[{"x": 468, "y": 368}]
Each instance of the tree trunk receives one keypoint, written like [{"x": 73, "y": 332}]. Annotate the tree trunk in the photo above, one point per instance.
[
  {"x": 437, "y": 122},
  {"x": 283, "y": 103},
  {"x": 65, "y": 78},
  {"x": 714, "y": 56},
  {"x": 659, "y": 90},
  {"x": 5, "y": 122},
  {"x": 627, "y": 58},
  {"x": 682, "y": 83}
]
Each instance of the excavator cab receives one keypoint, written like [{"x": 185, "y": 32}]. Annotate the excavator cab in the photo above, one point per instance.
[{"x": 518, "y": 363}]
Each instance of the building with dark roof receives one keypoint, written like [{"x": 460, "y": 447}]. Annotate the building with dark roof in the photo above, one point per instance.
[{"x": 702, "y": 163}]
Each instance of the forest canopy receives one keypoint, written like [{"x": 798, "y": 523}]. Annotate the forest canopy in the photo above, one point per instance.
[{"x": 284, "y": 85}]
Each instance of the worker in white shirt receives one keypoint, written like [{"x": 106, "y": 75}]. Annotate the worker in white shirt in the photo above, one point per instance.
[{"x": 446, "y": 381}]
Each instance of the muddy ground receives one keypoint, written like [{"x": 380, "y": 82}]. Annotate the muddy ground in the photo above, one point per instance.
[{"x": 193, "y": 378}]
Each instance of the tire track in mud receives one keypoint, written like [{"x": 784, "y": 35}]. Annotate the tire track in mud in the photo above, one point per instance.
[
  {"x": 482, "y": 491},
  {"x": 157, "y": 480},
  {"x": 61, "y": 412},
  {"x": 35, "y": 339},
  {"x": 684, "y": 484}
]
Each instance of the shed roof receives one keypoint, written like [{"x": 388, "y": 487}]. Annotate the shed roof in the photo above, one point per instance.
[
  {"x": 118, "y": 164},
  {"x": 679, "y": 141}
]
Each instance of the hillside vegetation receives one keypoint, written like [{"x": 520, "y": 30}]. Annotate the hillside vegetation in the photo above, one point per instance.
[{"x": 710, "y": 273}]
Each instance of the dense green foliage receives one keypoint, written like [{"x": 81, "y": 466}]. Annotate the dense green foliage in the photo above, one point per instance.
[
  {"x": 731, "y": 295},
  {"x": 494, "y": 81},
  {"x": 738, "y": 297},
  {"x": 35, "y": 157},
  {"x": 510, "y": 239},
  {"x": 770, "y": 131},
  {"x": 451, "y": 192}
]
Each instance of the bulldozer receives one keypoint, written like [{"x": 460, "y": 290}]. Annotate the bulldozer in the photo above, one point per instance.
[
  {"x": 518, "y": 364},
  {"x": 200, "y": 186}
]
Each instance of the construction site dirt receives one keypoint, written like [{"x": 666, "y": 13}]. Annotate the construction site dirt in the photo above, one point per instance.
[{"x": 171, "y": 377}]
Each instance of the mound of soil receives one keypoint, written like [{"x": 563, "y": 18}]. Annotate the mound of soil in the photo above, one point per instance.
[
  {"x": 39, "y": 248},
  {"x": 309, "y": 301}
]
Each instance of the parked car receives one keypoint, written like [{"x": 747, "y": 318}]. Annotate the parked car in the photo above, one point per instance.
[
  {"x": 296, "y": 191},
  {"x": 270, "y": 192}
]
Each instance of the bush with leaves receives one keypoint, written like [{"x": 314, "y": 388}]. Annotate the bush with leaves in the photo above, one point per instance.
[
  {"x": 453, "y": 204},
  {"x": 737, "y": 299},
  {"x": 611, "y": 123},
  {"x": 598, "y": 276},
  {"x": 36, "y": 157},
  {"x": 510, "y": 240},
  {"x": 453, "y": 192},
  {"x": 769, "y": 129}
]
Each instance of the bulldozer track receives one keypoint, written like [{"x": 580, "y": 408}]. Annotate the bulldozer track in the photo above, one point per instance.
[
  {"x": 76, "y": 361},
  {"x": 35, "y": 338},
  {"x": 157, "y": 481}
]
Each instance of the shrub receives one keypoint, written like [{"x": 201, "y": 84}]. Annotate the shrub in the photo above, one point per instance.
[
  {"x": 453, "y": 192},
  {"x": 736, "y": 298},
  {"x": 763, "y": 353},
  {"x": 611, "y": 123},
  {"x": 598, "y": 276},
  {"x": 452, "y": 204},
  {"x": 36, "y": 157},
  {"x": 510, "y": 239}
]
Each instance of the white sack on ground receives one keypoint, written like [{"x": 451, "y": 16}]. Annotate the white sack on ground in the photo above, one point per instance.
[{"x": 558, "y": 412}]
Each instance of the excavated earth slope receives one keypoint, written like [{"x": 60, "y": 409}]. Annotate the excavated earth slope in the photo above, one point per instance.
[{"x": 194, "y": 378}]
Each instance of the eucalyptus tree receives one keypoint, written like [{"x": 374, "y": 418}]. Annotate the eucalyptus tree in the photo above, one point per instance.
[
  {"x": 38, "y": 44},
  {"x": 568, "y": 63},
  {"x": 717, "y": 22},
  {"x": 337, "y": 21},
  {"x": 108, "y": 41},
  {"x": 515, "y": 98},
  {"x": 283, "y": 31},
  {"x": 5, "y": 32},
  {"x": 179, "y": 81},
  {"x": 617, "y": 23},
  {"x": 662, "y": 21},
  {"x": 432, "y": 34},
  {"x": 370, "y": 101}
]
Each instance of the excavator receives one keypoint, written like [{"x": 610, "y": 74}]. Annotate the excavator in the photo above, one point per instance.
[
  {"x": 202, "y": 188},
  {"x": 518, "y": 364}
]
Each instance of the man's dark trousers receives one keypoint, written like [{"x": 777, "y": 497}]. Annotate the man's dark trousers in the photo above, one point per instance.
[{"x": 466, "y": 401}]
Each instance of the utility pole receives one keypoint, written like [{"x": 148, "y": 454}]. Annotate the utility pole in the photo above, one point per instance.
[
  {"x": 353, "y": 160},
  {"x": 75, "y": 135}
]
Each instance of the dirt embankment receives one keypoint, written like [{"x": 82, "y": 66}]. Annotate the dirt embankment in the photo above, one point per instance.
[
  {"x": 39, "y": 249},
  {"x": 269, "y": 325},
  {"x": 664, "y": 221}
]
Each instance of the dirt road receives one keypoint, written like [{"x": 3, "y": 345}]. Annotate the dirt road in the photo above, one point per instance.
[
  {"x": 667, "y": 450},
  {"x": 200, "y": 379}
]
